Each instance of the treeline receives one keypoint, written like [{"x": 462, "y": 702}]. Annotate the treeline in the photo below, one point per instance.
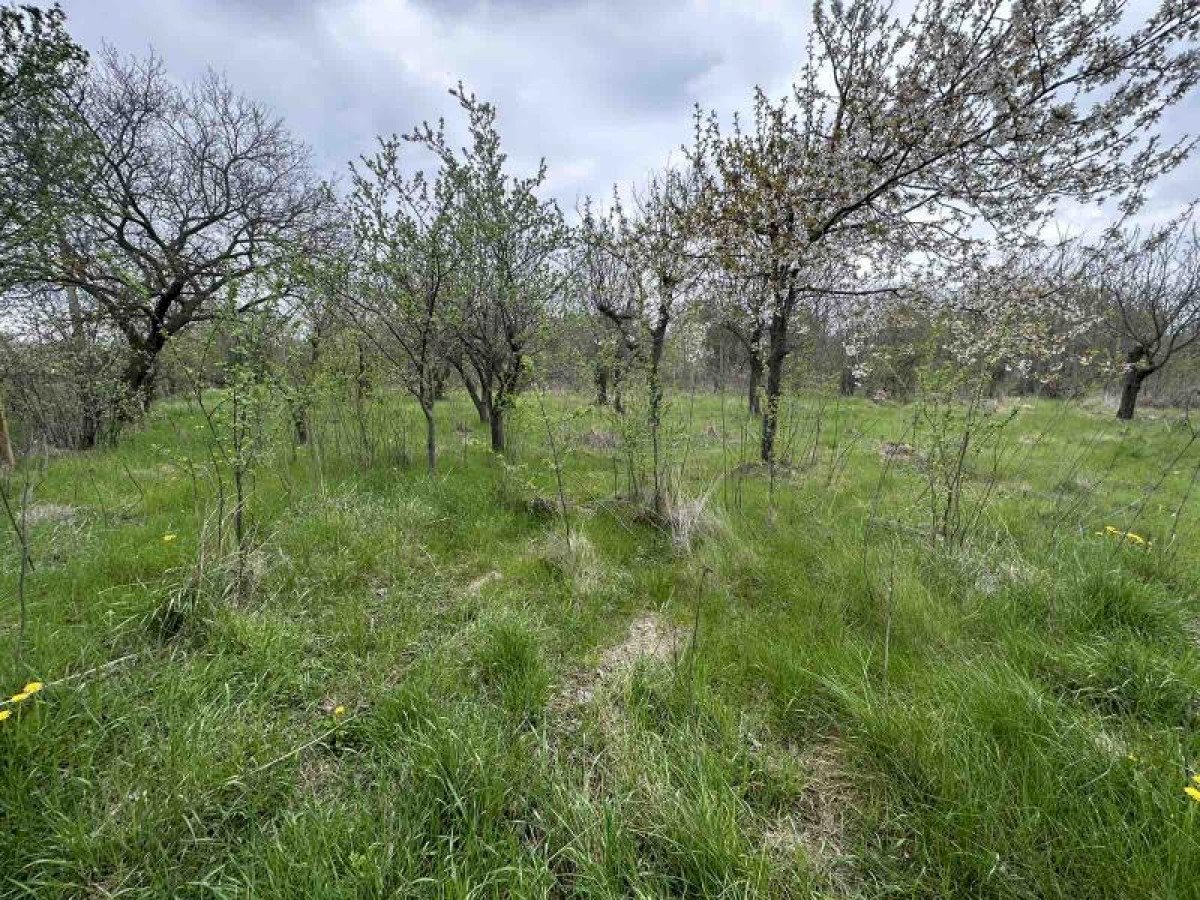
[{"x": 877, "y": 230}]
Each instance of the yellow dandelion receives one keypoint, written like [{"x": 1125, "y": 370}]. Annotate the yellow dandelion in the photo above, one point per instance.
[
  {"x": 1111, "y": 529},
  {"x": 17, "y": 698},
  {"x": 32, "y": 688},
  {"x": 1136, "y": 538},
  {"x": 339, "y": 710},
  {"x": 1196, "y": 778},
  {"x": 1192, "y": 792},
  {"x": 168, "y": 537},
  {"x": 4, "y": 714},
  {"x": 1131, "y": 757}
]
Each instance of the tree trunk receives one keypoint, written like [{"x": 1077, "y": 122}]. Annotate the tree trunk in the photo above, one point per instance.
[
  {"x": 476, "y": 395},
  {"x": 362, "y": 379},
  {"x": 430, "y": 436},
  {"x": 139, "y": 384},
  {"x": 300, "y": 424},
  {"x": 996, "y": 379},
  {"x": 1135, "y": 374},
  {"x": 75, "y": 312},
  {"x": 658, "y": 337},
  {"x": 601, "y": 380},
  {"x": 1130, "y": 388},
  {"x": 753, "y": 383},
  {"x": 497, "y": 427},
  {"x": 755, "y": 374},
  {"x": 8, "y": 459},
  {"x": 849, "y": 383},
  {"x": 776, "y": 354}
]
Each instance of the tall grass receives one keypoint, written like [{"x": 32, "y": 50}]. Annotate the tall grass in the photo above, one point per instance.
[{"x": 1030, "y": 736}]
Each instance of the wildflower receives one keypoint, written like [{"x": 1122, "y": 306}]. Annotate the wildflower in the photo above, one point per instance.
[
  {"x": 1130, "y": 536},
  {"x": 4, "y": 714},
  {"x": 1192, "y": 792},
  {"x": 340, "y": 710},
  {"x": 33, "y": 687},
  {"x": 169, "y": 536},
  {"x": 1196, "y": 778},
  {"x": 17, "y": 698}
]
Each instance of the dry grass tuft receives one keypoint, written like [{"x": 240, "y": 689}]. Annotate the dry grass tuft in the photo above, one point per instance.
[
  {"x": 478, "y": 584},
  {"x": 817, "y": 825},
  {"x": 649, "y": 637},
  {"x": 40, "y": 513},
  {"x": 595, "y": 439},
  {"x": 692, "y": 519}
]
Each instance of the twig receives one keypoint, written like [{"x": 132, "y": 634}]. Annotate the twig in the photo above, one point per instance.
[
  {"x": 295, "y": 751},
  {"x": 104, "y": 667}
]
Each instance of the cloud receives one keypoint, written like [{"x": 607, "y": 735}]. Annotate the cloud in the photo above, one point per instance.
[{"x": 603, "y": 91}]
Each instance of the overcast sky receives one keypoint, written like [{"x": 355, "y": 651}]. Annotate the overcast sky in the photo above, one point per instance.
[{"x": 603, "y": 90}]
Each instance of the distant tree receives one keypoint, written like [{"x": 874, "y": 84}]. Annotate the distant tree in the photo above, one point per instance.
[
  {"x": 1150, "y": 301},
  {"x": 602, "y": 285},
  {"x": 738, "y": 306},
  {"x": 408, "y": 252},
  {"x": 661, "y": 268},
  {"x": 511, "y": 242},
  {"x": 904, "y": 135},
  {"x": 195, "y": 190}
]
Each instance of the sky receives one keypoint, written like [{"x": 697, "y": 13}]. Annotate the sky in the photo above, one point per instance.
[{"x": 603, "y": 90}]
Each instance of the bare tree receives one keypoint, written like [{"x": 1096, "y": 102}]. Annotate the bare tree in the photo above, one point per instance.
[
  {"x": 1150, "y": 299},
  {"x": 194, "y": 190},
  {"x": 405, "y": 227},
  {"x": 905, "y": 135},
  {"x": 511, "y": 243}
]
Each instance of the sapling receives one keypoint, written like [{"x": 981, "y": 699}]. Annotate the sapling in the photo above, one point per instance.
[
  {"x": 558, "y": 430},
  {"x": 238, "y": 423}
]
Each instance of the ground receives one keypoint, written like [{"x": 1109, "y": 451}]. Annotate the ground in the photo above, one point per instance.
[{"x": 433, "y": 686}]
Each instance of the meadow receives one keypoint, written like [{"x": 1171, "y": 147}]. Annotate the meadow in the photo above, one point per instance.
[{"x": 475, "y": 684}]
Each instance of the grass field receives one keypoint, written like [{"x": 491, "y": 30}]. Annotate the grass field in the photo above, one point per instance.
[{"x": 429, "y": 689}]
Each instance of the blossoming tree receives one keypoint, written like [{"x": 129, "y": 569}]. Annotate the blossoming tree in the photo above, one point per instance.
[{"x": 923, "y": 134}]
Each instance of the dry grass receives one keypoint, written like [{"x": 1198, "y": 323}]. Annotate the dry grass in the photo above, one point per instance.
[
  {"x": 649, "y": 638},
  {"x": 817, "y": 825}
]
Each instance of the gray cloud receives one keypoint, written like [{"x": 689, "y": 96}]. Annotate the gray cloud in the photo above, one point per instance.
[{"x": 604, "y": 91}]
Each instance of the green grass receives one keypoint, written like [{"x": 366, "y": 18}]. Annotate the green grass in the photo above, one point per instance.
[{"x": 1030, "y": 735}]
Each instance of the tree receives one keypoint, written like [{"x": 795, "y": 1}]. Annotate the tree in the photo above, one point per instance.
[
  {"x": 607, "y": 286},
  {"x": 40, "y": 71},
  {"x": 195, "y": 190},
  {"x": 511, "y": 242},
  {"x": 1150, "y": 299},
  {"x": 405, "y": 227},
  {"x": 657, "y": 252},
  {"x": 738, "y": 306},
  {"x": 601, "y": 285},
  {"x": 908, "y": 135}
]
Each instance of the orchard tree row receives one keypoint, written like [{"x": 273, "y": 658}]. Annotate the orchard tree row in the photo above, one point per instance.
[{"x": 894, "y": 206}]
